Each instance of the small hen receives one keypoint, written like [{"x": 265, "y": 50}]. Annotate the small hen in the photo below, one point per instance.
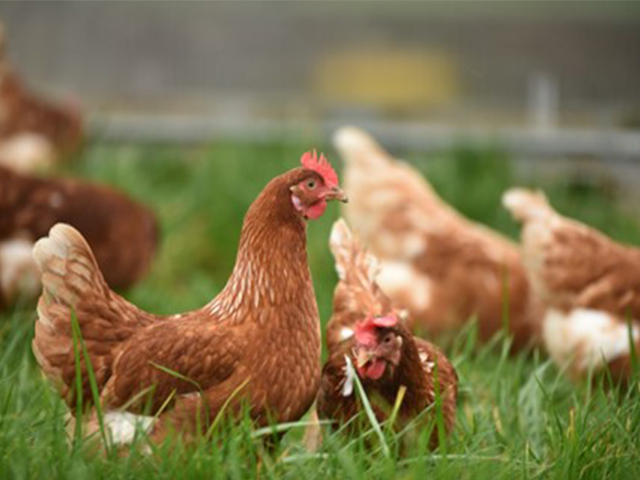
[
  {"x": 365, "y": 337},
  {"x": 442, "y": 267},
  {"x": 590, "y": 283},
  {"x": 121, "y": 232},
  {"x": 34, "y": 132},
  {"x": 256, "y": 344}
]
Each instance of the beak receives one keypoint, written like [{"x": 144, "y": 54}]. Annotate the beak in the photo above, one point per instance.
[
  {"x": 336, "y": 194},
  {"x": 362, "y": 358}
]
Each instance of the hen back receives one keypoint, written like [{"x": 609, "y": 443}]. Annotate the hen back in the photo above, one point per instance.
[{"x": 442, "y": 267}]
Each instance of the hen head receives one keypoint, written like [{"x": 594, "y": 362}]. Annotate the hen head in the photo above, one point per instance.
[
  {"x": 317, "y": 184},
  {"x": 378, "y": 346}
]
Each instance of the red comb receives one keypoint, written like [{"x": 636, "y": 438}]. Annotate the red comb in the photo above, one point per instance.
[
  {"x": 321, "y": 165},
  {"x": 365, "y": 335},
  {"x": 365, "y": 330},
  {"x": 390, "y": 321}
]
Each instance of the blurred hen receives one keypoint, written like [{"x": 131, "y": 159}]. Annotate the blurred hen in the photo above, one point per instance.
[
  {"x": 34, "y": 132},
  {"x": 590, "y": 283},
  {"x": 442, "y": 267},
  {"x": 122, "y": 233}
]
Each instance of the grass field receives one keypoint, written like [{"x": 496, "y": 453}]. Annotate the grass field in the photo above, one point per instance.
[{"x": 518, "y": 417}]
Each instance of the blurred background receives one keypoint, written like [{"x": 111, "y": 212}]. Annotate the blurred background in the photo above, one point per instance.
[
  {"x": 191, "y": 107},
  {"x": 542, "y": 79}
]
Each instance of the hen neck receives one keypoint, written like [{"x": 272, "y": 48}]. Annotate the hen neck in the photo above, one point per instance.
[{"x": 271, "y": 267}]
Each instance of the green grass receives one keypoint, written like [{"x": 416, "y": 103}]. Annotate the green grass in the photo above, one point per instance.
[{"x": 518, "y": 417}]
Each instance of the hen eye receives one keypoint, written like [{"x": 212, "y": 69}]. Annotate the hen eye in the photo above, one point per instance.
[
  {"x": 311, "y": 184},
  {"x": 387, "y": 340}
]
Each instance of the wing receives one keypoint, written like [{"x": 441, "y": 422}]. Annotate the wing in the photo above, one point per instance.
[
  {"x": 181, "y": 356},
  {"x": 25, "y": 206},
  {"x": 582, "y": 268},
  {"x": 430, "y": 355},
  {"x": 337, "y": 398}
]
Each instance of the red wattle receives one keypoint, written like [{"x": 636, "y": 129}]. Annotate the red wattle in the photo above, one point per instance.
[
  {"x": 375, "y": 369},
  {"x": 316, "y": 210}
]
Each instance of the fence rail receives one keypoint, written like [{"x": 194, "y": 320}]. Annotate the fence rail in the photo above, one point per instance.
[{"x": 610, "y": 145}]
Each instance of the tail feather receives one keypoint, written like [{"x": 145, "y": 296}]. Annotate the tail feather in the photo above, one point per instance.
[
  {"x": 357, "y": 292},
  {"x": 69, "y": 269},
  {"x": 73, "y": 286},
  {"x": 527, "y": 205},
  {"x": 350, "y": 257}
]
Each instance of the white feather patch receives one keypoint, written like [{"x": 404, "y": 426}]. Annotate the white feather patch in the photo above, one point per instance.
[
  {"x": 345, "y": 333},
  {"x": 424, "y": 359},
  {"x": 27, "y": 152},
  {"x": 18, "y": 271},
  {"x": 340, "y": 271},
  {"x": 122, "y": 426},
  {"x": 586, "y": 337},
  {"x": 350, "y": 373},
  {"x": 339, "y": 233}
]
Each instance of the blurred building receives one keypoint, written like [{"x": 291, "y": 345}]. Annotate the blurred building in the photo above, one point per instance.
[{"x": 457, "y": 63}]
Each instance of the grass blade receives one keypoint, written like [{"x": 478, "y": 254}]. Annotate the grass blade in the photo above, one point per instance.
[
  {"x": 396, "y": 407},
  {"x": 93, "y": 384},
  {"x": 368, "y": 410}
]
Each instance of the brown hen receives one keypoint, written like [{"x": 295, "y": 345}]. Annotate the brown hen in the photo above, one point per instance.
[
  {"x": 257, "y": 343},
  {"x": 590, "y": 283},
  {"x": 442, "y": 267},
  {"x": 366, "y": 338},
  {"x": 121, "y": 232}
]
